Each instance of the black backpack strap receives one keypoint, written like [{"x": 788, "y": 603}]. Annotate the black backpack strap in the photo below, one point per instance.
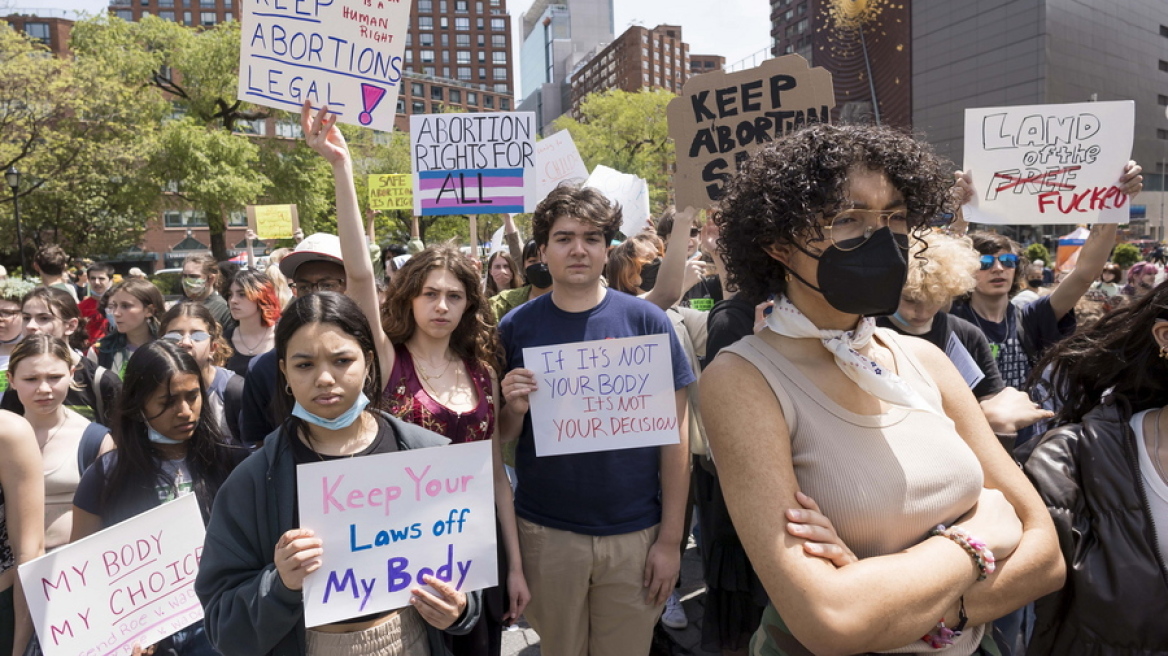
[{"x": 90, "y": 446}]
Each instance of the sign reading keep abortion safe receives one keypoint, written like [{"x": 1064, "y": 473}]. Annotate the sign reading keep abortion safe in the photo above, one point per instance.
[
  {"x": 473, "y": 163},
  {"x": 131, "y": 583},
  {"x": 603, "y": 395},
  {"x": 1046, "y": 164},
  {"x": 389, "y": 520},
  {"x": 343, "y": 53}
]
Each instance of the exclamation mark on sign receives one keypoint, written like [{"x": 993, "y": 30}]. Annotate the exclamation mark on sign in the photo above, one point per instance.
[{"x": 370, "y": 97}]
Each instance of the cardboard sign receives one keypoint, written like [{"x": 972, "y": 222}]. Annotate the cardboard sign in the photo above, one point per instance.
[
  {"x": 721, "y": 118},
  {"x": 131, "y": 583},
  {"x": 603, "y": 395},
  {"x": 388, "y": 520},
  {"x": 391, "y": 192},
  {"x": 473, "y": 163},
  {"x": 626, "y": 189},
  {"x": 557, "y": 160},
  {"x": 1046, "y": 164},
  {"x": 343, "y": 53},
  {"x": 273, "y": 221}
]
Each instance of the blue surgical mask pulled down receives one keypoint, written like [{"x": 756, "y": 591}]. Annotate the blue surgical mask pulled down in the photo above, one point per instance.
[
  {"x": 345, "y": 420},
  {"x": 159, "y": 438}
]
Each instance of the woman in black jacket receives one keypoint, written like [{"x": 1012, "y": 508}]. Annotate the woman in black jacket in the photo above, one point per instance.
[{"x": 1103, "y": 476}]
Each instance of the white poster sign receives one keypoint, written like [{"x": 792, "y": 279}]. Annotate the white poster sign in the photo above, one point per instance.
[
  {"x": 557, "y": 160},
  {"x": 603, "y": 395},
  {"x": 131, "y": 583},
  {"x": 390, "y": 520},
  {"x": 630, "y": 191},
  {"x": 343, "y": 53},
  {"x": 1046, "y": 164},
  {"x": 473, "y": 163}
]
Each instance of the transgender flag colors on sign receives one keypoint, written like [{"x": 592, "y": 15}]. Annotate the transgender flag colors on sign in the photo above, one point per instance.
[{"x": 473, "y": 163}]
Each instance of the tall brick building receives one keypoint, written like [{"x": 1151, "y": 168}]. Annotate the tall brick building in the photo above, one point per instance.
[{"x": 52, "y": 32}]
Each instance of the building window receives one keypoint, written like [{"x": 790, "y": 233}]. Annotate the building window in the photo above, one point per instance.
[
  {"x": 461, "y": 6},
  {"x": 425, "y": 6},
  {"x": 482, "y": 56},
  {"x": 436, "y": 93},
  {"x": 418, "y": 107},
  {"x": 499, "y": 40},
  {"x": 1162, "y": 100},
  {"x": 443, "y": 22},
  {"x": 428, "y": 70},
  {"x": 435, "y": 108},
  {"x": 462, "y": 24},
  {"x": 1161, "y": 133},
  {"x": 499, "y": 57},
  {"x": 505, "y": 104},
  {"x": 462, "y": 56},
  {"x": 462, "y": 40},
  {"x": 499, "y": 24},
  {"x": 482, "y": 72},
  {"x": 417, "y": 89},
  {"x": 426, "y": 40},
  {"x": 479, "y": 7},
  {"x": 500, "y": 73},
  {"x": 489, "y": 102},
  {"x": 409, "y": 55},
  {"x": 502, "y": 88},
  {"x": 480, "y": 24},
  {"x": 401, "y": 105},
  {"x": 207, "y": 19},
  {"x": 1163, "y": 65},
  {"x": 464, "y": 73},
  {"x": 456, "y": 95},
  {"x": 445, "y": 56},
  {"x": 472, "y": 98},
  {"x": 37, "y": 31},
  {"x": 187, "y": 219},
  {"x": 445, "y": 40},
  {"x": 1164, "y": 31},
  {"x": 426, "y": 56},
  {"x": 425, "y": 22},
  {"x": 446, "y": 71},
  {"x": 166, "y": 15},
  {"x": 125, "y": 14}
]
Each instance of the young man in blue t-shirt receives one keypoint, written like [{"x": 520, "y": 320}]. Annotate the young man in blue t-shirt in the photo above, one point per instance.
[{"x": 600, "y": 533}]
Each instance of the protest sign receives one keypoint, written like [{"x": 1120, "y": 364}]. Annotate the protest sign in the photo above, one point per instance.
[
  {"x": 1045, "y": 164},
  {"x": 131, "y": 583},
  {"x": 556, "y": 161},
  {"x": 273, "y": 221},
  {"x": 343, "y": 53},
  {"x": 391, "y": 192},
  {"x": 473, "y": 163},
  {"x": 603, "y": 395},
  {"x": 389, "y": 520},
  {"x": 626, "y": 189},
  {"x": 721, "y": 118}
]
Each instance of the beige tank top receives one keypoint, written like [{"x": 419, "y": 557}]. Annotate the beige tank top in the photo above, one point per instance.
[{"x": 884, "y": 480}]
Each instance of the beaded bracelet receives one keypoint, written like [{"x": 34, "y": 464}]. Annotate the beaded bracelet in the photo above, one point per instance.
[
  {"x": 941, "y": 636},
  {"x": 982, "y": 557}
]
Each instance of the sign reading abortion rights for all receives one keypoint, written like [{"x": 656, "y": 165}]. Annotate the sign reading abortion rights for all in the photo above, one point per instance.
[
  {"x": 602, "y": 395},
  {"x": 721, "y": 118},
  {"x": 391, "y": 191},
  {"x": 131, "y": 583},
  {"x": 473, "y": 163},
  {"x": 343, "y": 53},
  {"x": 389, "y": 520},
  {"x": 1049, "y": 163}
]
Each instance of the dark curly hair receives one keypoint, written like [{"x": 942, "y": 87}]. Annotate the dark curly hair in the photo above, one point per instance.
[
  {"x": 781, "y": 192},
  {"x": 584, "y": 204},
  {"x": 1117, "y": 353}
]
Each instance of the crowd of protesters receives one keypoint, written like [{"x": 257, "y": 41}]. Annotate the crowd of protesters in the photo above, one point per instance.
[{"x": 894, "y": 436}]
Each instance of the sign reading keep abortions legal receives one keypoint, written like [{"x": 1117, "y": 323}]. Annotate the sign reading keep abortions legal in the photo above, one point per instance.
[
  {"x": 343, "y": 53},
  {"x": 1045, "y": 164},
  {"x": 721, "y": 118}
]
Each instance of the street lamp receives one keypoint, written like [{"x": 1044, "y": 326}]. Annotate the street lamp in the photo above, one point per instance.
[{"x": 12, "y": 177}]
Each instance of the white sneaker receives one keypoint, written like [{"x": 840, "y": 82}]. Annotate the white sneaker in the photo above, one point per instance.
[{"x": 674, "y": 615}]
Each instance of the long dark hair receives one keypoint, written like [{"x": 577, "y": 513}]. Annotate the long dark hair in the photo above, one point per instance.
[
  {"x": 340, "y": 311},
  {"x": 516, "y": 279},
  {"x": 1117, "y": 353},
  {"x": 62, "y": 306},
  {"x": 209, "y": 460}
]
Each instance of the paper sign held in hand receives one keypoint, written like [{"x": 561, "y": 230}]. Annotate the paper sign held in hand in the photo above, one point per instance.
[
  {"x": 346, "y": 54},
  {"x": 131, "y": 583},
  {"x": 391, "y": 192},
  {"x": 603, "y": 395},
  {"x": 721, "y": 118},
  {"x": 273, "y": 221},
  {"x": 628, "y": 191},
  {"x": 557, "y": 160},
  {"x": 473, "y": 163},
  {"x": 1046, "y": 164},
  {"x": 389, "y": 520}
]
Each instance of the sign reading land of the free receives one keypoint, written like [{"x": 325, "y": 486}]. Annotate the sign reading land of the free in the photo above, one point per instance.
[
  {"x": 473, "y": 163},
  {"x": 720, "y": 119},
  {"x": 131, "y": 583},
  {"x": 1044, "y": 164},
  {"x": 346, "y": 54},
  {"x": 389, "y": 520},
  {"x": 602, "y": 395},
  {"x": 391, "y": 191}
]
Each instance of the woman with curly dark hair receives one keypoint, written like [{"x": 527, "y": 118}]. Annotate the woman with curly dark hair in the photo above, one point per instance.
[
  {"x": 436, "y": 339},
  {"x": 1102, "y": 476},
  {"x": 880, "y": 433}
]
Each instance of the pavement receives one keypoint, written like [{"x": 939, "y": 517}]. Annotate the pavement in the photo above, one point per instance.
[{"x": 522, "y": 640}]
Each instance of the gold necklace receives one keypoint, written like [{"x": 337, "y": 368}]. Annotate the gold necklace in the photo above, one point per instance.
[
  {"x": 57, "y": 429},
  {"x": 421, "y": 369}
]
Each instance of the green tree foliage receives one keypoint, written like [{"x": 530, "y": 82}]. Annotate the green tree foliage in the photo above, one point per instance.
[
  {"x": 76, "y": 130},
  {"x": 1037, "y": 252},
  {"x": 1126, "y": 255},
  {"x": 628, "y": 132}
]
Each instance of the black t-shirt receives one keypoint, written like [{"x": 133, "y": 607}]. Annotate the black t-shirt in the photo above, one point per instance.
[
  {"x": 1020, "y": 340},
  {"x": 384, "y": 442},
  {"x": 728, "y": 322},
  {"x": 81, "y": 397},
  {"x": 707, "y": 287},
  {"x": 970, "y": 337}
]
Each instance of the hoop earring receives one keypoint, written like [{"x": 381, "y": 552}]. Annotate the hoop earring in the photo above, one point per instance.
[{"x": 287, "y": 389}]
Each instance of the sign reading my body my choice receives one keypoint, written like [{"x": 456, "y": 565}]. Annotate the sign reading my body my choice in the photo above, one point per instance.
[
  {"x": 389, "y": 520},
  {"x": 473, "y": 163},
  {"x": 343, "y": 53},
  {"x": 602, "y": 395},
  {"x": 131, "y": 583},
  {"x": 1045, "y": 164}
]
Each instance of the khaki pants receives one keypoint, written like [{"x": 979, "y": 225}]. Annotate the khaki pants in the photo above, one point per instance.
[{"x": 586, "y": 592}]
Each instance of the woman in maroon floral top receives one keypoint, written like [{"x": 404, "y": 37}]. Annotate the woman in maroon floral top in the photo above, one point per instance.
[{"x": 436, "y": 339}]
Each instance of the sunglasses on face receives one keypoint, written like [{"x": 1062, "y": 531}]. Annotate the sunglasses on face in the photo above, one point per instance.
[
  {"x": 196, "y": 336},
  {"x": 1008, "y": 260}
]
